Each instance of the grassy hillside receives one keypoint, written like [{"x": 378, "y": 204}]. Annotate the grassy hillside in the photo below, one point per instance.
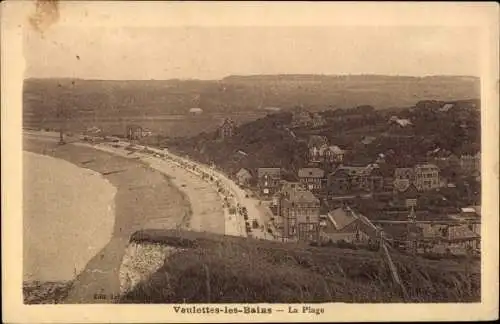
[{"x": 215, "y": 269}]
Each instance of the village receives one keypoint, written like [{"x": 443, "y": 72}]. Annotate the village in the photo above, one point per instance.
[{"x": 330, "y": 201}]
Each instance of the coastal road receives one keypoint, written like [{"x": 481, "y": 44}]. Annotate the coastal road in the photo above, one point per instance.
[{"x": 240, "y": 196}]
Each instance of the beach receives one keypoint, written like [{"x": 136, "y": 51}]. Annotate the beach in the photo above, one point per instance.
[
  {"x": 68, "y": 217},
  {"x": 144, "y": 198}
]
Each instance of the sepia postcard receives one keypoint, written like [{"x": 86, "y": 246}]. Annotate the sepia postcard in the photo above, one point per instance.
[{"x": 249, "y": 161}]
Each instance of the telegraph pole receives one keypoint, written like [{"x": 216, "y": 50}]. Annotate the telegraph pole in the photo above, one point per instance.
[{"x": 61, "y": 117}]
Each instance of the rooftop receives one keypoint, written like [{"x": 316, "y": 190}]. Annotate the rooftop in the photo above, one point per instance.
[
  {"x": 311, "y": 172},
  {"x": 272, "y": 172},
  {"x": 228, "y": 122},
  {"x": 426, "y": 165},
  {"x": 340, "y": 218},
  {"x": 243, "y": 173},
  {"x": 368, "y": 140},
  {"x": 317, "y": 140},
  {"x": 301, "y": 196},
  {"x": 353, "y": 170},
  {"x": 335, "y": 149},
  {"x": 290, "y": 185},
  {"x": 446, "y": 107}
]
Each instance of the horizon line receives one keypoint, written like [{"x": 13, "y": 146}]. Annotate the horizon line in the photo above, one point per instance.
[{"x": 263, "y": 75}]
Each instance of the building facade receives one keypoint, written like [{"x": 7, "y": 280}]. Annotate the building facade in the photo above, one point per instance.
[
  {"x": 301, "y": 117},
  {"x": 269, "y": 180},
  {"x": 352, "y": 179},
  {"x": 423, "y": 176},
  {"x": 470, "y": 163},
  {"x": 134, "y": 132},
  {"x": 333, "y": 154},
  {"x": 426, "y": 177},
  {"x": 318, "y": 120},
  {"x": 227, "y": 129},
  {"x": 300, "y": 211},
  {"x": 326, "y": 154},
  {"x": 314, "y": 145},
  {"x": 312, "y": 178},
  {"x": 243, "y": 176}
]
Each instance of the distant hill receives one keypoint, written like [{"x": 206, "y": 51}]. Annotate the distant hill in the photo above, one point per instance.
[{"x": 238, "y": 94}]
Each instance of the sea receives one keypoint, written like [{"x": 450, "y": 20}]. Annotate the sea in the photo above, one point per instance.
[{"x": 68, "y": 217}]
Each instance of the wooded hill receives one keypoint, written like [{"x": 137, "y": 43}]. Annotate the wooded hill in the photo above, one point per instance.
[{"x": 270, "y": 142}]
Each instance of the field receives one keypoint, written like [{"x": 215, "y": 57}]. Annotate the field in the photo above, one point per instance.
[
  {"x": 221, "y": 269},
  {"x": 163, "y": 105}
]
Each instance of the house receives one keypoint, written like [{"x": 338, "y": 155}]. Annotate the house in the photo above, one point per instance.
[
  {"x": 344, "y": 180},
  {"x": 299, "y": 210},
  {"x": 446, "y": 107},
  {"x": 317, "y": 141},
  {"x": 285, "y": 188},
  {"x": 423, "y": 176},
  {"x": 291, "y": 185},
  {"x": 269, "y": 180},
  {"x": 146, "y": 132},
  {"x": 312, "y": 178},
  {"x": 315, "y": 144},
  {"x": 426, "y": 177},
  {"x": 315, "y": 153},
  {"x": 349, "y": 179},
  {"x": 367, "y": 140},
  {"x": 195, "y": 111},
  {"x": 243, "y": 176},
  {"x": 454, "y": 239},
  {"x": 93, "y": 131},
  {"x": 332, "y": 154},
  {"x": 401, "y": 122},
  {"x": 461, "y": 238},
  {"x": 133, "y": 132},
  {"x": 345, "y": 224},
  {"x": 317, "y": 120},
  {"x": 321, "y": 152},
  {"x": 301, "y": 117},
  {"x": 227, "y": 128},
  {"x": 470, "y": 163},
  {"x": 472, "y": 216}
]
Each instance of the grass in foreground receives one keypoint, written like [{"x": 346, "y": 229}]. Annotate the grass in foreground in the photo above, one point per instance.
[{"x": 221, "y": 269}]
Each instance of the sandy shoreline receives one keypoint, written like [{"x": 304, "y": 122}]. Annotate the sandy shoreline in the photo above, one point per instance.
[{"x": 144, "y": 198}]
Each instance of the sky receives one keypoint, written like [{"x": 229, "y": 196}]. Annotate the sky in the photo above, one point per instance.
[{"x": 213, "y": 52}]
